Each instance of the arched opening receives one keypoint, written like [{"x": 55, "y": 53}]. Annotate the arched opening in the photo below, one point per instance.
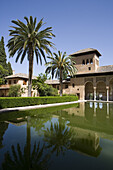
[
  {"x": 91, "y": 61},
  {"x": 101, "y": 91},
  {"x": 89, "y": 91},
  {"x": 87, "y": 61},
  {"x": 111, "y": 90},
  {"x": 83, "y": 62}
]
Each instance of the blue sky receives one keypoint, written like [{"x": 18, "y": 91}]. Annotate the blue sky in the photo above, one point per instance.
[{"x": 77, "y": 24}]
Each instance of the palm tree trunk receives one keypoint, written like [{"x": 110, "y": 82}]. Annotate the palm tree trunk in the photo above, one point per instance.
[
  {"x": 30, "y": 72},
  {"x": 61, "y": 85}
]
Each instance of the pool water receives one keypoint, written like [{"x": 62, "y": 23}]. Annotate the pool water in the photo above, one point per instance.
[{"x": 78, "y": 136}]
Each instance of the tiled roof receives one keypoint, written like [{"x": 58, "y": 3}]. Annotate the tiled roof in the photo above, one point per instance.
[
  {"x": 55, "y": 81},
  {"x": 102, "y": 69},
  {"x": 108, "y": 68},
  {"x": 86, "y": 50},
  {"x": 20, "y": 75}
]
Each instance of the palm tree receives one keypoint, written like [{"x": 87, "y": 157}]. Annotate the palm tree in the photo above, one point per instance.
[
  {"x": 59, "y": 65},
  {"x": 28, "y": 39}
]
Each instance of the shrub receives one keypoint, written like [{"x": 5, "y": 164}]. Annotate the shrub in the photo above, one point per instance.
[
  {"x": 8, "y": 102},
  {"x": 14, "y": 91}
]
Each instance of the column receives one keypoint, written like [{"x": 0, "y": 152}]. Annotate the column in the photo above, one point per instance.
[
  {"x": 94, "y": 93},
  {"x": 107, "y": 116},
  {"x": 107, "y": 88}
]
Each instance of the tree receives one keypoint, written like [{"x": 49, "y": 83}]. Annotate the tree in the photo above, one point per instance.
[
  {"x": 60, "y": 65},
  {"x": 3, "y": 73},
  {"x": 5, "y": 68},
  {"x": 28, "y": 39},
  {"x": 43, "y": 88},
  {"x": 2, "y": 54}
]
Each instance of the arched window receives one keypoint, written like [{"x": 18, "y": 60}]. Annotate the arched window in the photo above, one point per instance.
[
  {"x": 91, "y": 61},
  {"x": 87, "y": 61},
  {"x": 73, "y": 85},
  {"x": 83, "y": 62}
]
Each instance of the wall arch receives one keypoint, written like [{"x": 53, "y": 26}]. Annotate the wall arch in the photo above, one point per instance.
[
  {"x": 89, "y": 91},
  {"x": 111, "y": 89},
  {"x": 101, "y": 91}
]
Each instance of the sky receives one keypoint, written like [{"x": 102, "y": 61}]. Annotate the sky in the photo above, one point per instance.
[{"x": 77, "y": 24}]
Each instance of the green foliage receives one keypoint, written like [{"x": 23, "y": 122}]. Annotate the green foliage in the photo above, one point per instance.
[
  {"x": 5, "y": 68},
  {"x": 3, "y": 73},
  {"x": 43, "y": 88},
  {"x": 9, "y": 68},
  {"x": 14, "y": 91},
  {"x": 2, "y": 54},
  {"x": 7, "y": 102}
]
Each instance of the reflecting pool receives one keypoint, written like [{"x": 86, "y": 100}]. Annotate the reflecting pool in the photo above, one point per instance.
[{"x": 78, "y": 136}]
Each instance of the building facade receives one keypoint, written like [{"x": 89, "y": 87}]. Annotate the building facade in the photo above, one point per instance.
[
  {"x": 19, "y": 79},
  {"x": 91, "y": 81}
]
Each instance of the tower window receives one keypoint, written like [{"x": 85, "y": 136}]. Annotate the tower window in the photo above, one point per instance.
[
  {"x": 89, "y": 68},
  {"x": 73, "y": 85},
  {"x": 87, "y": 61},
  {"x": 83, "y": 62},
  {"x": 91, "y": 61}
]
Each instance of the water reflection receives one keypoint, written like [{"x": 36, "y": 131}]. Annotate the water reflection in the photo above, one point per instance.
[
  {"x": 58, "y": 137},
  {"x": 53, "y": 133},
  {"x": 25, "y": 159},
  {"x": 3, "y": 128}
]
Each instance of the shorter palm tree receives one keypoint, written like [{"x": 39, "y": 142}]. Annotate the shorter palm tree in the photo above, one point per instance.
[
  {"x": 59, "y": 65},
  {"x": 58, "y": 137}
]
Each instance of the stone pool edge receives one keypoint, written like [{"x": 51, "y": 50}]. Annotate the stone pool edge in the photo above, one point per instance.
[{"x": 39, "y": 106}]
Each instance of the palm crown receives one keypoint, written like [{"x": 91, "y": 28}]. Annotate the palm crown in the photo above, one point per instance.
[
  {"x": 59, "y": 65},
  {"x": 28, "y": 39}
]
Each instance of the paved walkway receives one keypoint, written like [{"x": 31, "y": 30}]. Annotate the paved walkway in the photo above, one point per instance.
[
  {"x": 49, "y": 105},
  {"x": 39, "y": 106}
]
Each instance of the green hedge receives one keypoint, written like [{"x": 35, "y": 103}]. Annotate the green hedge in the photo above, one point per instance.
[{"x": 9, "y": 102}]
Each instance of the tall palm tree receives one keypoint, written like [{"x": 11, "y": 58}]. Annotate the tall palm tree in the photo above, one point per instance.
[
  {"x": 28, "y": 39},
  {"x": 59, "y": 65}
]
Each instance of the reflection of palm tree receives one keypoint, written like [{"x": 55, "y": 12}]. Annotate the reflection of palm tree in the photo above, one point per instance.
[
  {"x": 26, "y": 160},
  {"x": 36, "y": 160},
  {"x": 58, "y": 137}
]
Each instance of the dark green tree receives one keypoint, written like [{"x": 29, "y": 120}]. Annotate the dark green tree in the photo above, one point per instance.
[
  {"x": 3, "y": 58},
  {"x": 3, "y": 73},
  {"x": 9, "y": 68},
  {"x": 59, "y": 65},
  {"x": 5, "y": 68},
  {"x": 28, "y": 39}
]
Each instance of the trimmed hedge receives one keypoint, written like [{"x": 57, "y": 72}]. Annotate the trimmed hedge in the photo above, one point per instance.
[{"x": 9, "y": 102}]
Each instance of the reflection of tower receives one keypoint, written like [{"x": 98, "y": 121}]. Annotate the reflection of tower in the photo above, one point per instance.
[
  {"x": 85, "y": 141},
  {"x": 77, "y": 111},
  {"x": 107, "y": 116}
]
